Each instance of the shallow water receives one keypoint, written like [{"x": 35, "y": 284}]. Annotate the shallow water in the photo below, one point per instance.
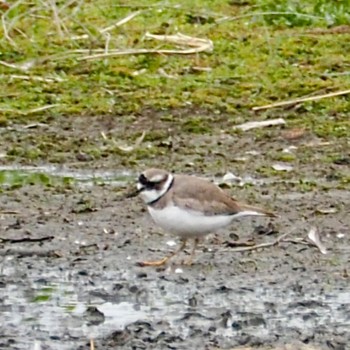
[
  {"x": 93, "y": 287},
  {"x": 48, "y": 174},
  {"x": 49, "y": 305}
]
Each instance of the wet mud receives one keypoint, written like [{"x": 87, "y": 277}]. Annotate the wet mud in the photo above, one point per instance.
[{"x": 69, "y": 277}]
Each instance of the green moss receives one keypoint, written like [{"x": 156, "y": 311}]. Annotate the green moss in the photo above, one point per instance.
[
  {"x": 196, "y": 125},
  {"x": 41, "y": 298},
  {"x": 156, "y": 135},
  {"x": 285, "y": 157},
  {"x": 18, "y": 178},
  {"x": 3, "y": 121},
  {"x": 269, "y": 51},
  {"x": 306, "y": 185},
  {"x": 345, "y": 180},
  {"x": 267, "y": 171},
  {"x": 311, "y": 12}
]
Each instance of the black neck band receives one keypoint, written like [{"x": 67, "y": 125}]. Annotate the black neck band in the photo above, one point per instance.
[{"x": 156, "y": 200}]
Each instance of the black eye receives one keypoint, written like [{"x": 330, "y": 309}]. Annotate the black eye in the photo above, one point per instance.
[{"x": 143, "y": 180}]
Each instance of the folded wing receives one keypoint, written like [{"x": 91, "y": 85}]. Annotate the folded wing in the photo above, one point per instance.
[{"x": 205, "y": 197}]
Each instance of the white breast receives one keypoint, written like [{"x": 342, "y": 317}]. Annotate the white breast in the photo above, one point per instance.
[{"x": 187, "y": 223}]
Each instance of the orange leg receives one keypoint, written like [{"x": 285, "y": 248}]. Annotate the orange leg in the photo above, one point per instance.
[
  {"x": 193, "y": 251},
  {"x": 164, "y": 260}
]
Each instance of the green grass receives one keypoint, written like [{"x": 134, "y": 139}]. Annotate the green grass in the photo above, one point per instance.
[
  {"x": 306, "y": 13},
  {"x": 256, "y": 59},
  {"x": 19, "y": 178},
  {"x": 264, "y": 51}
]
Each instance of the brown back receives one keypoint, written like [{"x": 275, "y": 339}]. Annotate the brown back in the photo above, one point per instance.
[{"x": 200, "y": 195}]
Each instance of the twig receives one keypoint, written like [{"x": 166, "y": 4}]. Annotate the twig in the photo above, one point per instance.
[
  {"x": 92, "y": 345},
  {"x": 264, "y": 245},
  {"x": 35, "y": 125},
  {"x": 299, "y": 240},
  {"x": 26, "y": 239},
  {"x": 311, "y": 240},
  {"x": 303, "y": 241},
  {"x": 303, "y": 99},
  {"x": 232, "y": 244},
  {"x": 9, "y": 212}
]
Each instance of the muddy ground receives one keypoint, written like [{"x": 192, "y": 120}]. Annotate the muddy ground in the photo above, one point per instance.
[{"x": 69, "y": 273}]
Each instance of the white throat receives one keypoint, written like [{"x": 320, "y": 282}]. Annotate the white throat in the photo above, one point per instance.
[{"x": 150, "y": 196}]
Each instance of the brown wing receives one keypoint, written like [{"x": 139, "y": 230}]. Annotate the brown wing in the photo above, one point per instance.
[{"x": 201, "y": 195}]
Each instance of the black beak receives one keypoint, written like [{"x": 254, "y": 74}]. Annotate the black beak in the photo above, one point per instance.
[{"x": 134, "y": 193}]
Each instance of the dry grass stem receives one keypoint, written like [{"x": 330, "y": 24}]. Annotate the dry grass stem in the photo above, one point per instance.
[
  {"x": 6, "y": 34},
  {"x": 30, "y": 111},
  {"x": 123, "y": 147},
  {"x": 183, "y": 40},
  {"x": 260, "y": 124},
  {"x": 40, "y": 109},
  {"x": 109, "y": 28},
  {"x": 22, "y": 67},
  {"x": 108, "y": 38},
  {"x": 197, "y": 45},
  {"x": 303, "y": 99},
  {"x": 270, "y": 13},
  {"x": 139, "y": 52},
  {"x": 121, "y": 22},
  {"x": 4, "y": 24},
  {"x": 57, "y": 19},
  {"x": 36, "y": 78},
  {"x": 318, "y": 144},
  {"x": 13, "y": 66}
]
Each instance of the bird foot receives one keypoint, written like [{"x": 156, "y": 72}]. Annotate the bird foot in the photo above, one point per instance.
[{"x": 153, "y": 263}]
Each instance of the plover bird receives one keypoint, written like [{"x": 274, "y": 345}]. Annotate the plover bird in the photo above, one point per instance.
[{"x": 188, "y": 206}]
